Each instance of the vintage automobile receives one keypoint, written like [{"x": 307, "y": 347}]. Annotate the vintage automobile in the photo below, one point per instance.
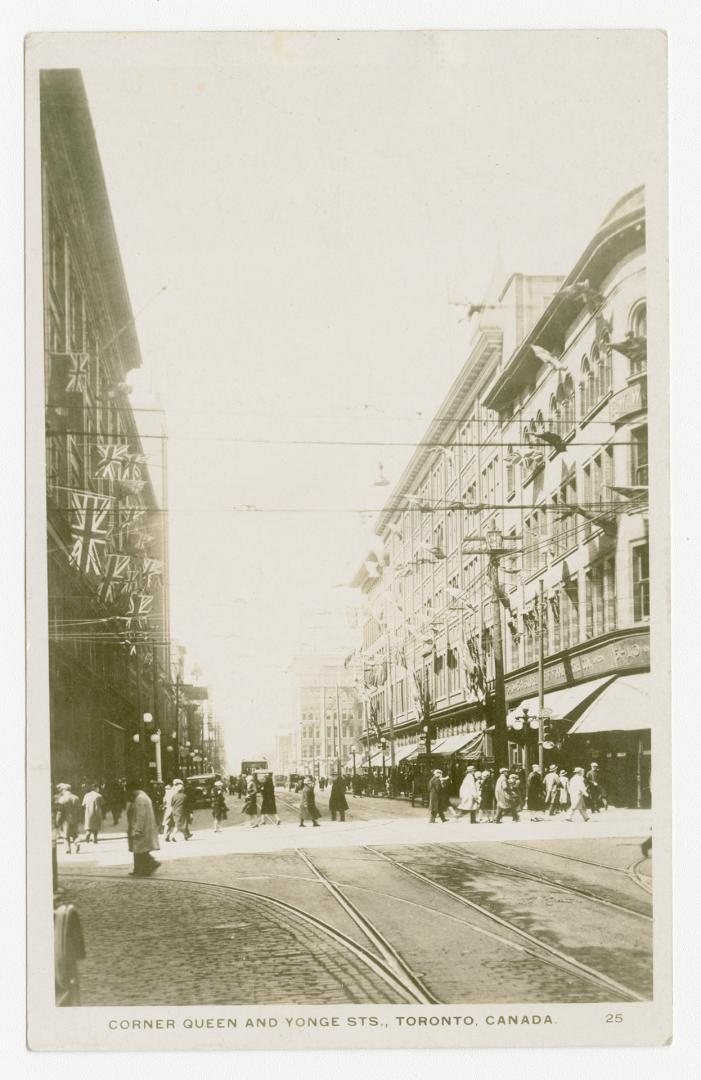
[{"x": 199, "y": 789}]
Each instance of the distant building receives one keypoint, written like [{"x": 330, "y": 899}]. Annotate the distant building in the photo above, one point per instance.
[
  {"x": 330, "y": 714},
  {"x": 285, "y": 759}
]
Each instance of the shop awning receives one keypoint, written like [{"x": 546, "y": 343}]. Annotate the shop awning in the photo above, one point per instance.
[
  {"x": 475, "y": 749},
  {"x": 454, "y": 743},
  {"x": 403, "y": 753},
  {"x": 623, "y": 706},
  {"x": 565, "y": 702}
]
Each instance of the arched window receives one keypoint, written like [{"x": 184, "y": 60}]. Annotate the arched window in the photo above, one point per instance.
[
  {"x": 539, "y": 423},
  {"x": 595, "y": 383},
  {"x": 584, "y": 388},
  {"x": 638, "y": 320},
  {"x": 567, "y": 404},
  {"x": 554, "y": 412},
  {"x": 605, "y": 377},
  {"x": 638, "y": 328}
]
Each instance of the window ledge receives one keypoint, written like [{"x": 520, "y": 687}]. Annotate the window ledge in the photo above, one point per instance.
[
  {"x": 566, "y": 554},
  {"x": 596, "y": 409}
]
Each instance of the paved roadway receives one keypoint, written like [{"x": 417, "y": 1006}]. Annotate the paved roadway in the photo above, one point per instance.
[{"x": 381, "y": 909}]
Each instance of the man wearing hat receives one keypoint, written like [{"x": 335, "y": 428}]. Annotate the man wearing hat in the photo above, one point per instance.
[
  {"x": 218, "y": 804},
  {"x": 596, "y": 797},
  {"x": 142, "y": 830},
  {"x": 180, "y": 810},
  {"x": 469, "y": 795},
  {"x": 435, "y": 796},
  {"x": 68, "y": 816},
  {"x": 551, "y": 785}
]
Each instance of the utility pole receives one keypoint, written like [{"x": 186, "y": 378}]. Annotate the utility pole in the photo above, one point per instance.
[
  {"x": 493, "y": 546},
  {"x": 541, "y": 672},
  {"x": 499, "y": 694},
  {"x": 339, "y": 747},
  {"x": 390, "y": 704}
]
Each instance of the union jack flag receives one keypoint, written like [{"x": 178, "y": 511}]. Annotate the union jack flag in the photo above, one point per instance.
[
  {"x": 151, "y": 568},
  {"x": 116, "y": 566},
  {"x": 89, "y": 530},
  {"x": 131, "y": 470},
  {"x": 139, "y": 606},
  {"x": 112, "y": 459},
  {"x": 77, "y": 373},
  {"x": 130, "y": 513}
]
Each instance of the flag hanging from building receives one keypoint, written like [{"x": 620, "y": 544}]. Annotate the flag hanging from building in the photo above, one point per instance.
[
  {"x": 130, "y": 512},
  {"x": 89, "y": 530},
  {"x": 151, "y": 571},
  {"x": 116, "y": 567},
  {"x": 112, "y": 458},
  {"x": 77, "y": 373},
  {"x": 132, "y": 469}
]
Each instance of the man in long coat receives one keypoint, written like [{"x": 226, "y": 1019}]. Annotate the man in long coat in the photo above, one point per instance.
[
  {"x": 142, "y": 831},
  {"x": 506, "y": 791},
  {"x": 180, "y": 810},
  {"x": 68, "y": 816},
  {"x": 338, "y": 804},
  {"x": 469, "y": 794},
  {"x": 92, "y": 806},
  {"x": 577, "y": 790},
  {"x": 535, "y": 794},
  {"x": 435, "y": 796},
  {"x": 307, "y": 806}
]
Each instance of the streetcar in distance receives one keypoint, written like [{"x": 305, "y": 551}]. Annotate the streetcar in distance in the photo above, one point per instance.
[{"x": 248, "y": 767}]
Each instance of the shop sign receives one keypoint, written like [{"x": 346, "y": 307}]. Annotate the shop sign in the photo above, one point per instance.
[
  {"x": 626, "y": 402},
  {"x": 628, "y": 652}
]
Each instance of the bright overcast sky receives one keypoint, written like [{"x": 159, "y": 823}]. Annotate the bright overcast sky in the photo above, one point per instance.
[{"x": 311, "y": 203}]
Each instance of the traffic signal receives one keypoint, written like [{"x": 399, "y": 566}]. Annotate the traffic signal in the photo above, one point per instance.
[{"x": 548, "y": 742}]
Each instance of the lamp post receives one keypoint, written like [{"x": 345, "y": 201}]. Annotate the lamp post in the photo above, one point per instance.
[
  {"x": 383, "y": 748},
  {"x": 354, "y": 751}
]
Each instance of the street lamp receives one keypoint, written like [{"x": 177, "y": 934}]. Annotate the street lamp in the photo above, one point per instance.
[
  {"x": 383, "y": 748},
  {"x": 354, "y": 751}
]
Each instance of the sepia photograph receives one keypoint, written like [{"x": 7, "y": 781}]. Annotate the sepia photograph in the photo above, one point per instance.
[{"x": 347, "y": 513}]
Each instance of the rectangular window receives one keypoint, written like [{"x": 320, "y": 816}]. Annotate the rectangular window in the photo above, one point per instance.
[
  {"x": 600, "y": 590},
  {"x": 641, "y": 582},
  {"x": 639, "y": 461}
]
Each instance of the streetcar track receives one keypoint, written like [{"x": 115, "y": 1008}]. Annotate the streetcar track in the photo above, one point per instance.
[
  {"x": 585, "y": 972},
  {"x": 391, "y": 957},
  {"x": 529, "y": 875},
  {"x": 632, "y": 872},
  {"x": 406, "y": 985}
]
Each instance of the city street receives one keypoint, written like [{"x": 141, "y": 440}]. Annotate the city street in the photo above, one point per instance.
[{"x": 383, "y": 908}]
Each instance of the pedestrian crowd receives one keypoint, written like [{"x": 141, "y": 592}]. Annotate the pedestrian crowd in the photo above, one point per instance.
[{"x": 485, "y": 798}]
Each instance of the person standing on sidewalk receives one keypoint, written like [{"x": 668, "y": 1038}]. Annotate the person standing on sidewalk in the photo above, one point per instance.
[
  {"x": 142, "y": 830},
  {"x": 268, "y": 802},
  {"x": 535, "y": 794},
  {"x": 218, "y": 805},
  {"x": 68, "y": 816},
  {"x": 307, "y": 806},
  {"x": 180, "y": 810},
  {"x": 92, "y": 808},
  {"x": 250, "y": 803},
  {"x": 507, "y": 794},
  {"x": 338, "y": 804},
  {"x": 550, "y": 784},
  {"x": 486, "y": 788},
  {"x": 435, "y": 797},
  {"x": 469, "y": 795},
  {"x": 577, "y": 790}
]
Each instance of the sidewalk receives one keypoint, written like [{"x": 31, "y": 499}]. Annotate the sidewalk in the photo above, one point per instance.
[{"x": 112, "y": 850}]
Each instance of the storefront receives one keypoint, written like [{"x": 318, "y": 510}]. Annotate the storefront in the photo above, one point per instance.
[{"x": 597, "y": 701}]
